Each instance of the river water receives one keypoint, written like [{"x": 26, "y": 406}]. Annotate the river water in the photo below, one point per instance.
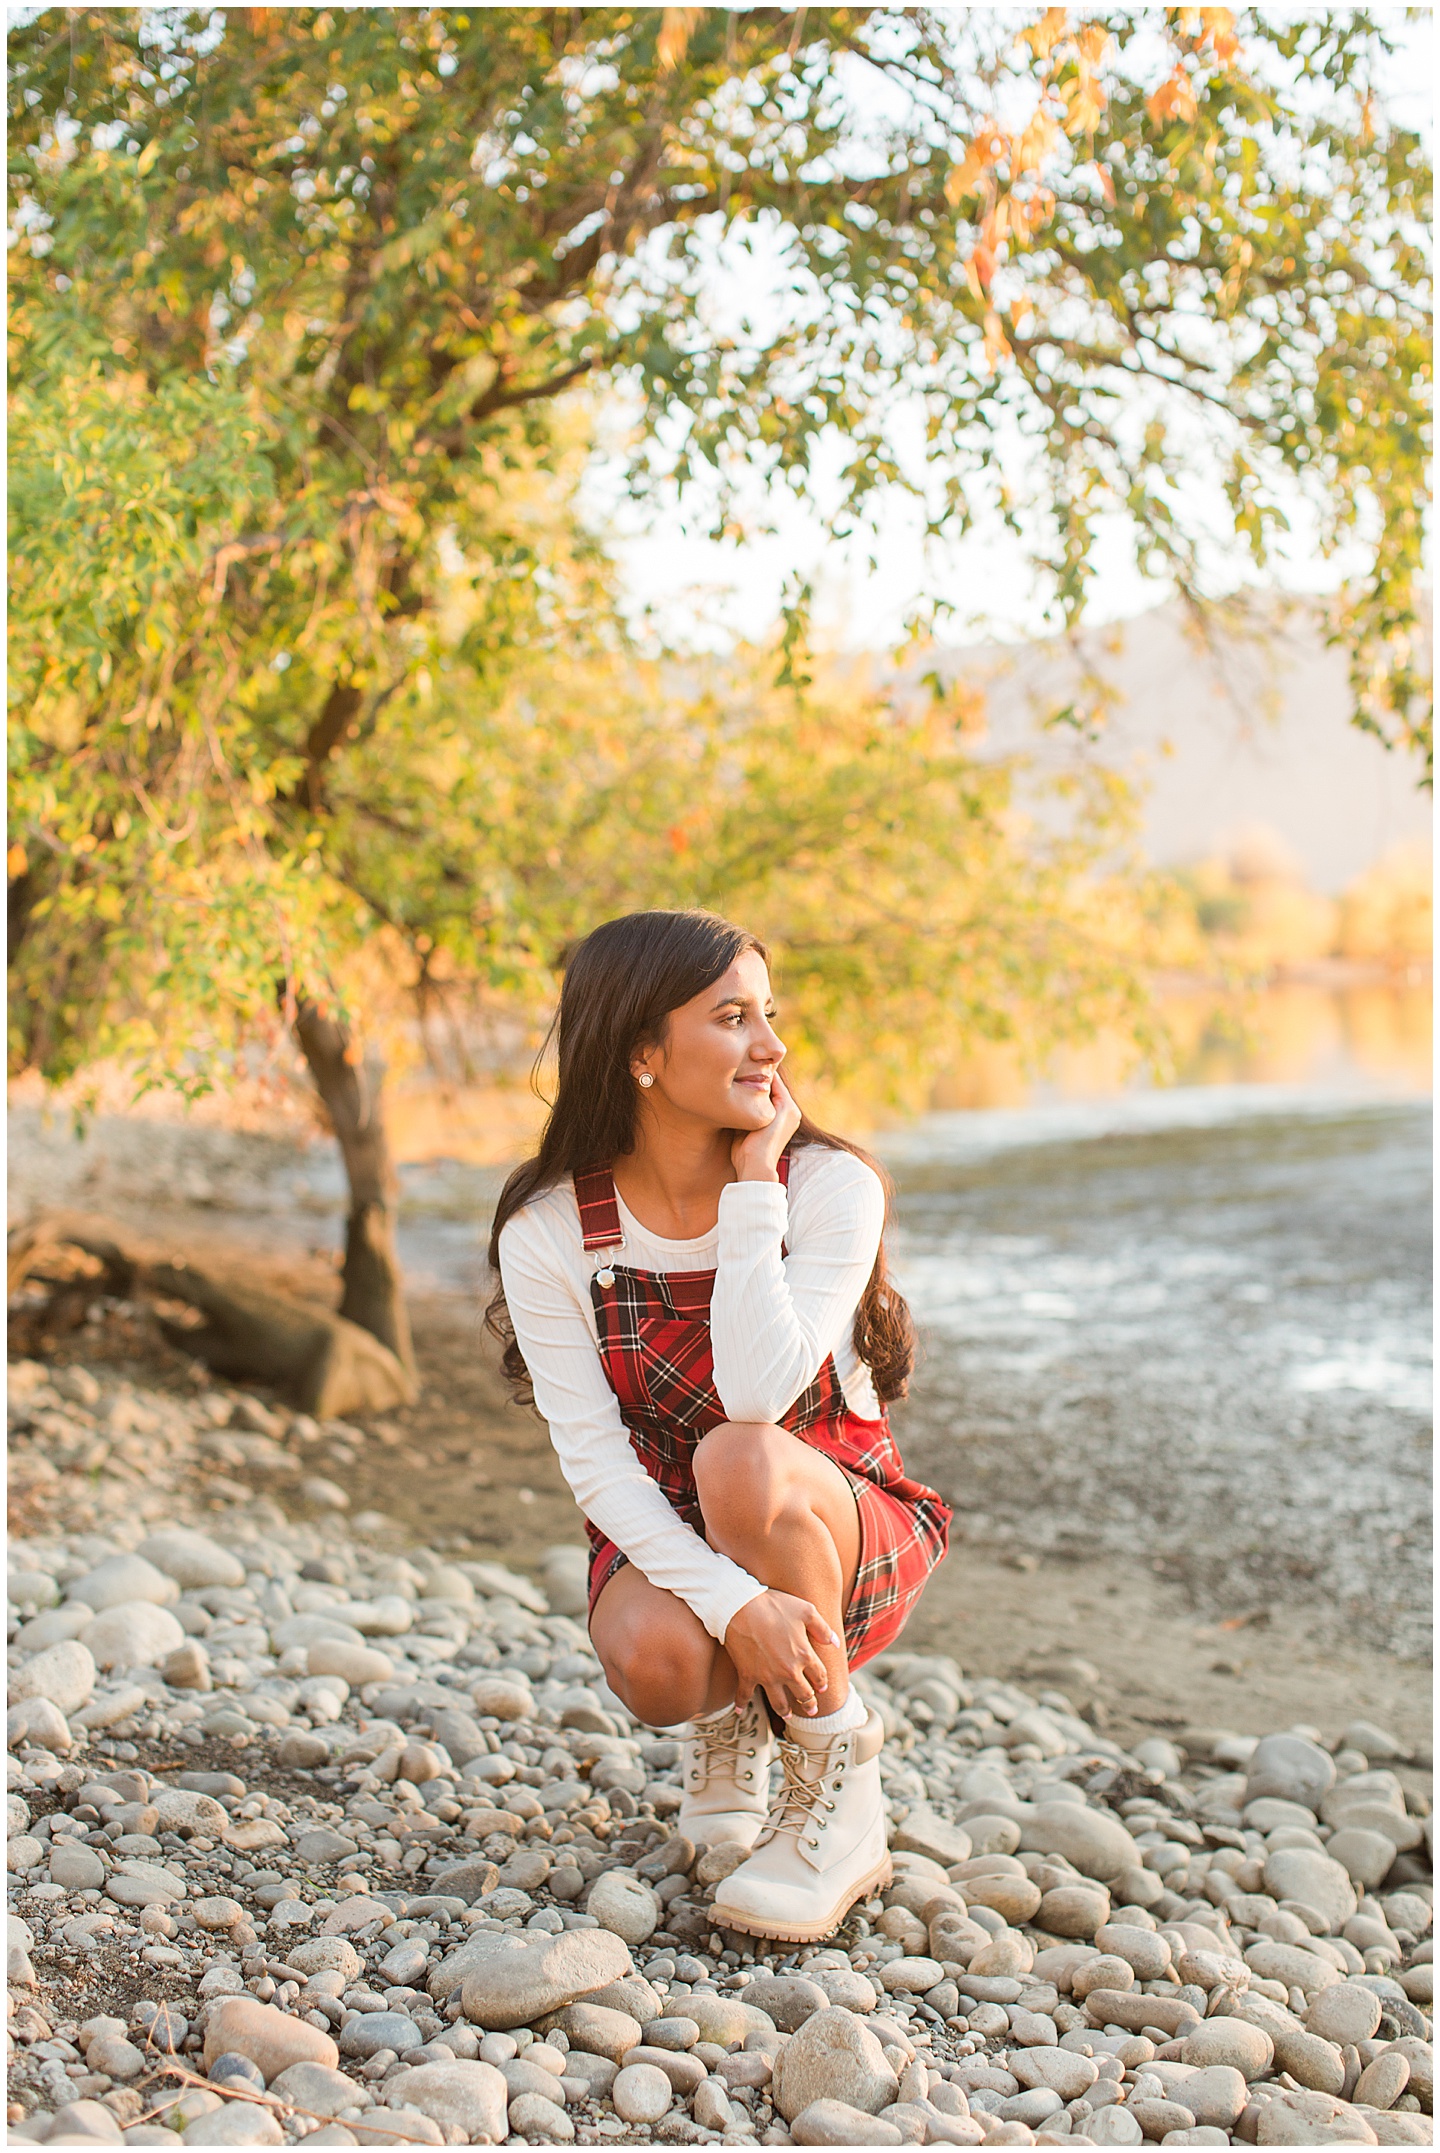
[{"x": 1187, "y": 1327}]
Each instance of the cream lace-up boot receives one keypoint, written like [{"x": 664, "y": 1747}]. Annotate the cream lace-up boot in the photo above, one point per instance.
[
  {"x": 725, "y": 1772},
  {"x": 823, "y": 1845}
]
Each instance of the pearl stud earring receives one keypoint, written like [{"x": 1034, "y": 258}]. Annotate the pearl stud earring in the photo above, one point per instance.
[{"x": 645, "y": 1081}]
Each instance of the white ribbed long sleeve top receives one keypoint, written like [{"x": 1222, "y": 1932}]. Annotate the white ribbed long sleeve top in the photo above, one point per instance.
[{"x": 773, "y": 1322}]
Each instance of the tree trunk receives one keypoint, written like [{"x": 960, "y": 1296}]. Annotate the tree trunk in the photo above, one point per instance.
[{"x": 374, "y": 1294}]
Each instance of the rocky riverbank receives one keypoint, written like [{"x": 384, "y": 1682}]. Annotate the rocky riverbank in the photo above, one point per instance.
[{"x": 317, "y": 1835}]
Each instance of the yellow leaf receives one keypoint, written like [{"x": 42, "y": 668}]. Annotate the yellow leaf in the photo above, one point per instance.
[
  {"x": 1086, "y": 102},
  {"x": 676, "y": 27},
  {"x": 1044, "y": 35},
  {"x": 1093, "y": 42},
  {"x": 1218, "y": 24},
  {"x": 1175, "y": 99},
  {"x": 146, "y": 159},
  {"x": 997, "y": 344},
  {"x": 17, "y": 861},
  {"x": 1035, "y": 145}
]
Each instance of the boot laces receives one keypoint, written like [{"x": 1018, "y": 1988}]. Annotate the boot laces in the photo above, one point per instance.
[
  {"x": 802, "y": 1795},
  {"x": 718, "y": 1745}
]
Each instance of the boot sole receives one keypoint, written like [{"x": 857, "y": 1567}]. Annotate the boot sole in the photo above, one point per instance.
[{"x": 806, "y": 1932}]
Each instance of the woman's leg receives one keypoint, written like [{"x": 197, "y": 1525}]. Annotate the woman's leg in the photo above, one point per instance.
[
  {"x": 782, "y": 1510},
  {"x": 657, "y": 1656},
  {"x": 787, "y": 1514}
]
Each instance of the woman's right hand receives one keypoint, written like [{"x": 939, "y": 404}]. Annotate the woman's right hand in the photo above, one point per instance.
[{"x": 772, "y": 1646}]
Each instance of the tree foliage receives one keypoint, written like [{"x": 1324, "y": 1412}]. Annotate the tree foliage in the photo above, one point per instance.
[{"x": 300, "y": 298}]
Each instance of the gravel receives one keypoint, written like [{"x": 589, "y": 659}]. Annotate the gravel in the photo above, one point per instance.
[{"x": 368, "y": 1829}]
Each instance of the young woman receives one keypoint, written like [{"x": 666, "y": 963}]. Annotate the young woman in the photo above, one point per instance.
[{"x": 693, "y": 1289}]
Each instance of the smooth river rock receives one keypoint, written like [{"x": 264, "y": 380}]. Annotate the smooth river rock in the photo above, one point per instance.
[
  {"x": 132, "y": 1633},
  {"x": 624, "y": 1905},
  {"x": 833, "y": 2057},
  {"x": 121, "y": 1578},
  {"x": 1314, "y": 1879},
  {"x": 1344, "y": 2012},
  {"x": 836, "y": 2123},
  {"x": 1292, "y": 1768},
  {"x": 513, "y": 1979},
  {"x": 1097, "y": 1844},
  {"x": 467, "y": 2097},
  {"x": 270, "y": 2038},
  {"x": 63, "y": 1674}
]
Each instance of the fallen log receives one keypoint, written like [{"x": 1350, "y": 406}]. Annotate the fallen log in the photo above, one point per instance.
[
  {"x": 319, "y": 1361},
  {"x": 324, "y": 1365}
]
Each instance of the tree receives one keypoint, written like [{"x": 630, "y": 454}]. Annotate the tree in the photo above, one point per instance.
[{"x": 302, "y": 299}]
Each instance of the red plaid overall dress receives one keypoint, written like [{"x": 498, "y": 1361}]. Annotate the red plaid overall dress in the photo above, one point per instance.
[{"x": 654, "y": 1332}]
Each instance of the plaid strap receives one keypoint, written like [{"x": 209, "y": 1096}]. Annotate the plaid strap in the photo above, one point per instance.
[{"x": 599, "y": 1212}]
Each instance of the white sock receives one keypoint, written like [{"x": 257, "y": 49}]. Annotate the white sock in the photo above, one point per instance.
[
  {"x": 704, "y": 1719},
  {"x": 851, "y": 1714}
]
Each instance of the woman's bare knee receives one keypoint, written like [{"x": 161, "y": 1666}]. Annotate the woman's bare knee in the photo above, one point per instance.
[
  {"x": 661, "y": 1673},
  {"x": 743, "y": 1477}
]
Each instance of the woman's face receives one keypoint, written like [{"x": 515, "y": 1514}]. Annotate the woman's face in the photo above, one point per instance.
[{"x": 720, "y": 1053}]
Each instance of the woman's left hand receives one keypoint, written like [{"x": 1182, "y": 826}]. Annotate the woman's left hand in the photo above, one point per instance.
[{"x": 756, "y": 1155}]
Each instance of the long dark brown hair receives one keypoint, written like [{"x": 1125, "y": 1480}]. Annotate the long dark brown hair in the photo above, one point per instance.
[{"x": 621, "y": 985}]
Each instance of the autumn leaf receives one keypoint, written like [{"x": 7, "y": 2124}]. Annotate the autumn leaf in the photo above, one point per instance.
[
  {"x": 997, "y": 344},
  {"x": 1036, "y": 143},
  {"x": 1044, "y": 35},
  {"x": 1175, "y": 99},
  {"x": 1085, "y": 105},
  {"x": 1218, "y": 24},
  {"x": 980, "y": 158},
  {"x": 677, "y": 26}
]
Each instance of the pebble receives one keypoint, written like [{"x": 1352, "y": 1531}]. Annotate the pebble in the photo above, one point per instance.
[
  {"x": 1097, "y": 1845},
  {"x": 191, "y": 1558},
  {"x": 272, "y": 2039},
  {"x": 122, "y": 1578},
  {"x": 1291, "y": 1767},
  {"x": 514, "y": 1979},
  {"x": 1383, "y": 2080},
  {"x": 539, "y": 2121},
  {"x": 835, "y": 2123},
  {"x": 1314, "y": 1880},
  {"x": 233, "y": 2066},
  {"x": 1114, "y": 2126},
  {"x": 1231, "y": 2042},
  {"x": 601, "y": 2032},
  {"x": 641, "y": 2093},
  {"x": 1071, "y": 2076},
  {"x": 1345, "y": 2012},
  {"x": 74, "y": 1867},
  {"x": 356, "y": 1664},
  {"x": 521, "y": 2076},
  {"x": 144, "y": 1883},
  {"x": 788, "y": 1999},
  {"x": 63, "y": 1674},
  {"x": 672, "y": 2033},
  {"x": 373, "y": 1904},
  {"x": 373, "y": 2031},
  {"x": 625, "y": 1906},
  {"x": 132, "y": 1633},
  {"x": 238, "y": 2123},
  {"x": 833, "y": 2057}
]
